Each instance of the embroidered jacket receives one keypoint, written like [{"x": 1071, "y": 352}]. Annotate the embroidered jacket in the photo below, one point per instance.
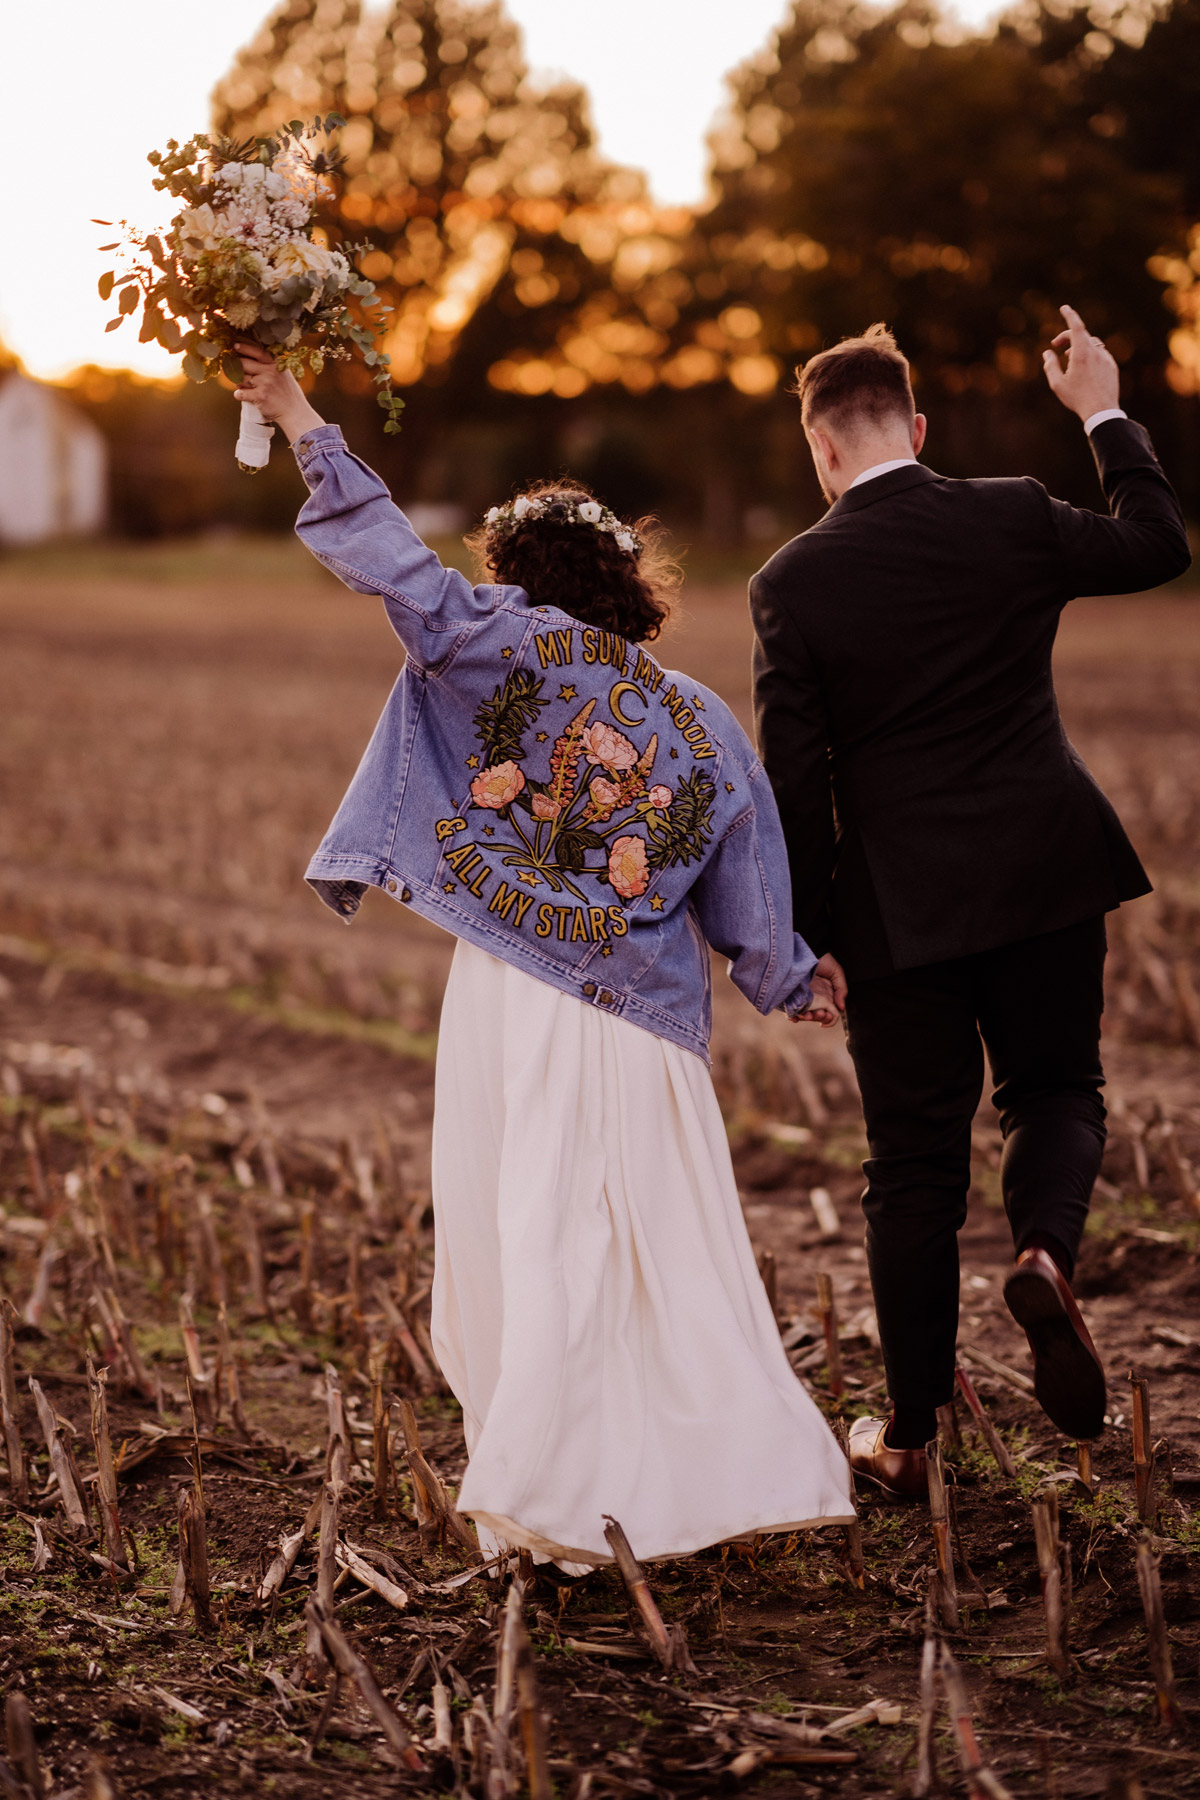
[{"x": 547, "y": 790}]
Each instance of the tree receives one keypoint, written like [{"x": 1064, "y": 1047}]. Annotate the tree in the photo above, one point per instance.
[{"x": 477, "y": 192}]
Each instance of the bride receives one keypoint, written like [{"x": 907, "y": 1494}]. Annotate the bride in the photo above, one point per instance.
[{"x": 586, "y": 823}]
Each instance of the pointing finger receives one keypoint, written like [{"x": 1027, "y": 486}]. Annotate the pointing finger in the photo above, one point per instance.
[{"x": 1074, "y": 322}]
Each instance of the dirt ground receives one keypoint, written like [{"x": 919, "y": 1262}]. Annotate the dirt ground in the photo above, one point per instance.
[{"x": 204, "y": 1075}]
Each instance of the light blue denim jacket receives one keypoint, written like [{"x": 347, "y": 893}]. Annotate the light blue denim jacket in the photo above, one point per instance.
[{"x": 548, "y": 791}]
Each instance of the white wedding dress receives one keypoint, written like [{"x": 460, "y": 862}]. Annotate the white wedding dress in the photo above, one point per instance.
[{"x": 596, "y": 1305}]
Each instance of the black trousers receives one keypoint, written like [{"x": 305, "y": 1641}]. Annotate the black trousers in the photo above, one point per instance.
[{"x": 917, "y": 1039}]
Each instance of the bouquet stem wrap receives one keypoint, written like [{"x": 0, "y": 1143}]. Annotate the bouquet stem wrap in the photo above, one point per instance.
[{"x": 254, "y": 439}]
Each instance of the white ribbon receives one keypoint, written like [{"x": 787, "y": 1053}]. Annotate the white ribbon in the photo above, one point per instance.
[{"x": 254, "y": 438}]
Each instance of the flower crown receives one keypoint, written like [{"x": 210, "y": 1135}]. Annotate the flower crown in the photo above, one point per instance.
[{"x": 506, "y": 519}]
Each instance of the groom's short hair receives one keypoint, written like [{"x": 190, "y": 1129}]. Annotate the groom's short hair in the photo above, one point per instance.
[{"x": 863, "y": 379}]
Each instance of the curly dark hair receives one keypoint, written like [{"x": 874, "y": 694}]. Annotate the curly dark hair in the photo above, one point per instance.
[{"x": 583, "y": 571}]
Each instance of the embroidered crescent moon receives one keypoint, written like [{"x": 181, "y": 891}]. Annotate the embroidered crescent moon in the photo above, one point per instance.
[{"x": 614, "y": 702}]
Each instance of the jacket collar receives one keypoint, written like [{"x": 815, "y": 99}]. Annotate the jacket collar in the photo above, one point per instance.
[{"x": 883, "y": 487}]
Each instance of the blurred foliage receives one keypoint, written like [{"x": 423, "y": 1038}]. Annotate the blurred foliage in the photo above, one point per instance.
[{"x": 869, "y": 165}]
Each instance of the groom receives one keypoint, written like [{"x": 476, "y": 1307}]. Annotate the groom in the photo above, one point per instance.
[{"x": 949, "y": 847}]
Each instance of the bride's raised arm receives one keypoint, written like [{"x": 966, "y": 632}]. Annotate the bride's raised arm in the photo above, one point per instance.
[{"x": 351, "y": 524}]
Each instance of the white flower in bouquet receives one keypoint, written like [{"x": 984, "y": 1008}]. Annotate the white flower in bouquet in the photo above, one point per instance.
[{"x": 240, "y": 260}]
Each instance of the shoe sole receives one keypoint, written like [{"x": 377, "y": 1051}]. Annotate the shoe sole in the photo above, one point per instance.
[{"x": 1068, "y": 1382}]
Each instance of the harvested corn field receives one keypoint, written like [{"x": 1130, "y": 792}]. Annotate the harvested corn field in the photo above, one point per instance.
[{"x": 230, "y": 1557}]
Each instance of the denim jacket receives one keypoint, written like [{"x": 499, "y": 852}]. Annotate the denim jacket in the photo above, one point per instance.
[{"x": 547, "y": 790}]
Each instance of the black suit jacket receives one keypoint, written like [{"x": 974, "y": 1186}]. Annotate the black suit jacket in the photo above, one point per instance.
[{"x": 932, "y": 803}]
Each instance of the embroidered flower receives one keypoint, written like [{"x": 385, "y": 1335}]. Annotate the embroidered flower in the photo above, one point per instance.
[
  {"x": 610, "y": 748},
  {"x": 544, "y": 807},
  {"x": 606, "y": 797},
  {"x": 660, "y": 796},
  {"x": 496, "y": 787},
  {"x": 627, "y": 868}
]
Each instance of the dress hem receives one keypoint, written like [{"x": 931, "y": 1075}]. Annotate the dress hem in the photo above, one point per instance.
[{"x": 521, "y": 1538}]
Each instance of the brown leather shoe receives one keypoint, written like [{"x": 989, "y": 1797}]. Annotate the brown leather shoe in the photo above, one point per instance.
[
  {"x": 900, "y": 1473},
  {"x": 1068, "y": 1376}
]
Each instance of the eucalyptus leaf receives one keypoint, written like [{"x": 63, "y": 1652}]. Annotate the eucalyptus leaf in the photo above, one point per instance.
[
  {"x": 113, "y": 323},
  {"x": 194, "y": 368},
  {"x": 129, "y": 300},
  {"x": 104, "y": 286}
]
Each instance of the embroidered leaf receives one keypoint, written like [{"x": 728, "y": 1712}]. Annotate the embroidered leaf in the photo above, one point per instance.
[
  {"x": 680, "y": 834},
  {"x": 502, "y": 721}
]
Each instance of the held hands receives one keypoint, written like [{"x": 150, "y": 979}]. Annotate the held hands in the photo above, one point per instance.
[
  {"x": 1091, "y": 382},
  {"x": 828, "y": 994},
  {"x": 276, "y": 393}
]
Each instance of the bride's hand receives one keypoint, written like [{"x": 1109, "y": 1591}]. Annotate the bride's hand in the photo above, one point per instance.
[
  {"x": 275, "y": 391},
  {"x": 828, "y": 993},
  {"x": 822, "y": 1008}
]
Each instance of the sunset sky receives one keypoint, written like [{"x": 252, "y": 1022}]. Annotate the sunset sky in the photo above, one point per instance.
[{"x": 87, "y": 90}]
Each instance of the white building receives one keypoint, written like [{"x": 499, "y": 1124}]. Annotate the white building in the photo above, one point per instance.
[{"x": 53, "y": 465}]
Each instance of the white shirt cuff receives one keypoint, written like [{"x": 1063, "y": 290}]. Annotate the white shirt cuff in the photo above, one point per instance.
[{"x": 1112, "y": 412}]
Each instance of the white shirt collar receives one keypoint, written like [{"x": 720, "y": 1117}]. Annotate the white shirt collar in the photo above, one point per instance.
[{"x": 885, "y": 468}]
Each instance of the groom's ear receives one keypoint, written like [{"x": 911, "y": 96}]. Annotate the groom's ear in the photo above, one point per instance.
[
  {"x": 822, "y": 446},
  {"x": 920, "y": 426}
]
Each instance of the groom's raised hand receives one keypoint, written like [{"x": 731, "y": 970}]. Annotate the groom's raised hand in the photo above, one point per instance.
[{"x": 1090, "y": 382}]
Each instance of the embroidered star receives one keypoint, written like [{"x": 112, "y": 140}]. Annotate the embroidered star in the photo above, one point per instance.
[
  {"x": 542, "y": 736},
  {"x": 506, "y": 654},
  {"x": 567, "y": 693},
  {"x": 529, "y": 880},
  {"x": 490, "y": 830},
  {"x": 449, "y": 888},
  {"x": 697, "y": 701},
  {"x": 729, "y": 787},
  {"x": 656, "y": 903},
  {"x": 607, "y": 950},
  {"x": 472, "y": 762},
  {"x": 674, "y": 754}
]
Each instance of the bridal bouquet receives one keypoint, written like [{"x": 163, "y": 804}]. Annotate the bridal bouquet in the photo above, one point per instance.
[{"x": 243, "y": 258}]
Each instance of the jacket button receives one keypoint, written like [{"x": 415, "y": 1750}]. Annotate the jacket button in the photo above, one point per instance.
[
  {"x": 391, "y": 887},
  {"x": 406, "y": 893},
  {"x": 589, "y": 988},
  {"x": 606, "y": 998}
]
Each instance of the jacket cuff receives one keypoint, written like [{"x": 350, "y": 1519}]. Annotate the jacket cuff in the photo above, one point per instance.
[{"x": 310, "y": 443}]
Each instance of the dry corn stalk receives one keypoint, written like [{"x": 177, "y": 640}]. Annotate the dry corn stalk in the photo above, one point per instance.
[
  {"x": 825, "y": 1212},
  {"x": 926, "y": 1779},
  {"x": 1156, "y": 1636},
  {"x": 369, "y": 1576},
  {"x": 769, "y": 1276},
  {"x": 22, "y": 1746},
  {"x": 979, "y": 1777},
  {"x": 1143, "y": 1454},
  {"x": 355, "y": 1667},
  {"x": 106, "y": 1475},
  {"x": 289, "y": 1549},
  {"x": 14, "y": 1451},
  {"x": 228, "y": 1377},
  {"x": 326, "y": 1566},
  {"x": 402, "y": 1332},
  {"x": 191, "y": 1577},
  {"x": 827, "y": 1313},
  {"x": 61, "y": 1462},
  {"x": 381, "y": 1439},
  {"x": 1052, "y": 1568},
  {"x": 199, "y": 1375},
  {"x": 669, "y": 1641},
  {"x": 939, "y": 1512},
  {"x": 1182, "y": 1173},
  {"x": 434, "y": 1510},
  {"x": 855, "y": 1561},
  {"x": 995, "y": 1442}
]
